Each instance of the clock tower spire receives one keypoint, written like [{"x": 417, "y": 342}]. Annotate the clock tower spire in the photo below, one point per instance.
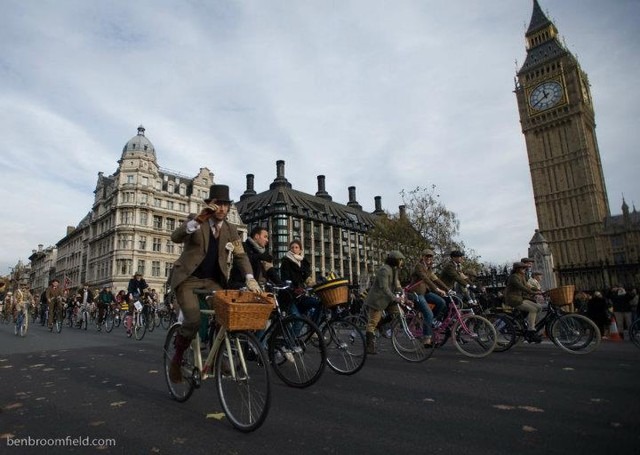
[{"x": 558, "y": 122}]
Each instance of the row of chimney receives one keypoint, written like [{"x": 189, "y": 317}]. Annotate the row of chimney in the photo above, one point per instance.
[{"x": 281, "y": 180}]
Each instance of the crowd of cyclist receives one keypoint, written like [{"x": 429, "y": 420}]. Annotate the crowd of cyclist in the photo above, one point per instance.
[{"x": 70, "y": 303}]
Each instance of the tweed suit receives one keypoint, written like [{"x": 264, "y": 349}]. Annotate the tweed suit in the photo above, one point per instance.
[{"x": 196, "y": 245}]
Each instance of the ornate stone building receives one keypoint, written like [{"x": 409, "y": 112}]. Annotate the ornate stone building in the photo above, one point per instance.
[{"x": 590, "y": 248}]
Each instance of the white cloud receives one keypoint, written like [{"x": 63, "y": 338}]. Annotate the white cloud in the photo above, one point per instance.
[{"x": 378, "y": 95}]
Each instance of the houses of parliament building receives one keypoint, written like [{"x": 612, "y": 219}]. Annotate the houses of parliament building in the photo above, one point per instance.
[
  {"x": 589, "y": 247},
  {"x": 128, "y": 227}
]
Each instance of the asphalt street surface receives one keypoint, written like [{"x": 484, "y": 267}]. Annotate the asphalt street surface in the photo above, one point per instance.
[{"x": 107, "y": 393}]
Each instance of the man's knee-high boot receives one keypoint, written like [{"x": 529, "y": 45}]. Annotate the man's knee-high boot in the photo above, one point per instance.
[
  {"x": 181, "y": 344},
  {"x": 371, "y": 343}
]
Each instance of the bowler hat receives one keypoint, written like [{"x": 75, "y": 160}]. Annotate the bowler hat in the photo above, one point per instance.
[
  {"x": 519, "y": 265},
  {"x": 428, "y": 253},
  {"x": 456, "y": 254},
  {"x": 219, "y": 193},
  {"x": 527, "y": 260}
]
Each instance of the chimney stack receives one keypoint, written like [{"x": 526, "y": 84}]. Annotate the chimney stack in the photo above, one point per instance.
[
  {"x": 249, "y": 191},
  {"x": 378, "y": 205},
  {"x": 280, "y": 179},
  {"x": 322, "y": 192},
  {"x": 352, "y": 199}
]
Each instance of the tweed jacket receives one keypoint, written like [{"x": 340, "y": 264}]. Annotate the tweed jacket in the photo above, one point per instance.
[
  {"x": 450, "y": 274},
  {"x": 517, "y": 290},
  {"x": 425, "y": 280},
  {"x": 385, "y": 283},
  {"x": 195, "y": 250}
]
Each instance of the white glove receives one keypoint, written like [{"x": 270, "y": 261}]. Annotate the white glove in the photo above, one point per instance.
[{"x": 253, "y": 285}]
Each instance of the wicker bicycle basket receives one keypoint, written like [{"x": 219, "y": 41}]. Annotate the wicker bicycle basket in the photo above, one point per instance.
[
  {"x": 242, "y": 310},
  {"x": 562, "y": 295},
  {"x": 333, "y": 293}
]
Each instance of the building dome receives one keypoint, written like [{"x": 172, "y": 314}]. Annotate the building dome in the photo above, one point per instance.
[{"x": 139, "y": 143}]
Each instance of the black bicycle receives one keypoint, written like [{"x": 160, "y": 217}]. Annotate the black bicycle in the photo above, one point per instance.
[
  {"x": 295, "y": 345},
  {"x": 573, "y": 333}
]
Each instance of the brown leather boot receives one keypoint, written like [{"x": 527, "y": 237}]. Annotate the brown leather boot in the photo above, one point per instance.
[
  {"x": 181, "y": 344},
  {"x": 371, "y": 343}
]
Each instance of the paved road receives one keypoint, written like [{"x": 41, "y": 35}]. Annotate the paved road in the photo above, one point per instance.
[{"x": 534, "y": 399}]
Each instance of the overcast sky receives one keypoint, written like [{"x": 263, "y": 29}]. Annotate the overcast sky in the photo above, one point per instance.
[{"x": 380, "y": 95}]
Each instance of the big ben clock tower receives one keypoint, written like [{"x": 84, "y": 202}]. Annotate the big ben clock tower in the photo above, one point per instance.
[{"x": 558, "y": 123}]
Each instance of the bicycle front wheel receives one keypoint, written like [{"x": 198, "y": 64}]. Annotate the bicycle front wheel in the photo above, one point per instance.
[
  {"x": 297, "y": 352},
  {"x": 242, "y": 380},
  {"x": 108, "y": 322},
  {"x": 405, "y": 338},
  {"x": 180, "y": 391},
  {"x": 140, "y": 328},
  {"x": 474, "y": 336},
  {"x": 575, "y": 334},
  {"x": 346, "y": 346},
  {"x": 506, "y": 331}
]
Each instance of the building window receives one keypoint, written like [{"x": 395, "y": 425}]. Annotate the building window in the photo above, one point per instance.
[
  {"x": 171, "y": 224},
  {"x": 157, "y": 244},
  {"x": 141, "y": 267},
  {"x": 124, "y": 266},
  {"x": 170, "y": 247},
  {"x": 182, "y": 207},
  {"x": 167, "y": 268},
  {"x": 144, "y": 218},
  {"x": 170, "y": 205},
  {"x": 155, "y": 268},
  {"x": 157, "y": 202},
  {"x": 157, "y": 222},
  {"x": 145, "y": 181},
  {"x": 130, "y": 179},
  {"x": 127, "y": 196},
  {"x": 142, "y": 242},
  {"x": 127, "y": 217}
]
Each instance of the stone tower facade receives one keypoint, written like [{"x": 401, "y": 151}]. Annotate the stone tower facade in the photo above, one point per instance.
[{"x": 558, "y": 122}]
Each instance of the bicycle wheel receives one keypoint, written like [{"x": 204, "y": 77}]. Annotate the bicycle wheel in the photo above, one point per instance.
[
  {"x": 346, "y": 346},
  {"x": 506, "y": 332},
  {"x": 634, "y": 333},
  {"x": 108, "y": 322},
  {"x": 140, "y": 327},
  {"x": 575, "y": 334},
  {"x": 180, "y": 391},
  {"x": 474, "y": 336},
  {"x": 84, "y": 321},
  {"x": 117, "y": 319},
  {"x": 405, "y": 338},
  {"x": 151, "y": 322},
  {"x": 297, "y": 352},
  {"x": 23, "y": 328},
  {"x": 165, "y": 320},
  {"x": 242, "y": 380}
]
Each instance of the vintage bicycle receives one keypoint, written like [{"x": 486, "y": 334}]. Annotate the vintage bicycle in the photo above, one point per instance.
[
  {"x": 236, "y": 359},
  {"x": 472, "y": 335},
  {"x": 573, "y": 333},
  {"x": 294, "y": 344}
]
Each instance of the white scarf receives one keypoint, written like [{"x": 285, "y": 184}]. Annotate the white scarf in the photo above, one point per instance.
[
  {"x": 258, "y": 248},
  {"x": 296, "y": 258}
]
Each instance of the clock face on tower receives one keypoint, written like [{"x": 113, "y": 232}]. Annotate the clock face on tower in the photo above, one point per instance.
[{"x": 545, "y": 95}]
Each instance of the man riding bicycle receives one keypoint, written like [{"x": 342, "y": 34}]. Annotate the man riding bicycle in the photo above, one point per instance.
[{"x": 211, "y": 247}]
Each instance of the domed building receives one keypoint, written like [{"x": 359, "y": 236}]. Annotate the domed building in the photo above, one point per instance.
[{"x": 128, "y": 228}]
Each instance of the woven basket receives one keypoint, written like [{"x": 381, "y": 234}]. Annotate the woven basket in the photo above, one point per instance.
[
  {"x": 242, "y": 310},
  {"x": 562, "y": 295},
  {"x": 333, "y": 293}
]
